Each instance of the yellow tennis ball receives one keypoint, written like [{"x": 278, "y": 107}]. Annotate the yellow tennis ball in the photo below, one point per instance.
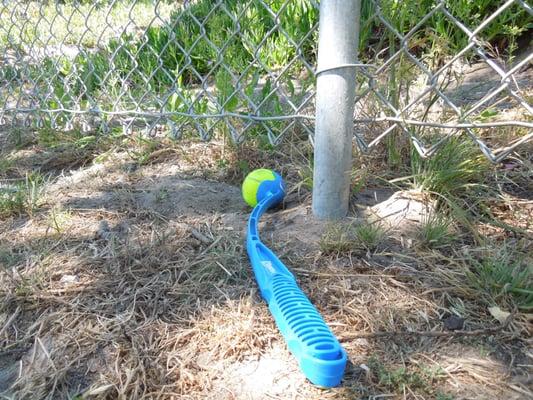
[{"x": 258, "y": 182}]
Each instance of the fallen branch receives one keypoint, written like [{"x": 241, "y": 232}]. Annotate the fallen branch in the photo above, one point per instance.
[{"x": 200, "y": 236}]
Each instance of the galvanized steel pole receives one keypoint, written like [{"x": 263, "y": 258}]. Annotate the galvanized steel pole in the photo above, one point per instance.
[{"x": 337, "y": 52}]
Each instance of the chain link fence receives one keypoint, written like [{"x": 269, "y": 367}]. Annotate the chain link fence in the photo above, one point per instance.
[{"x": 429, "y": 70}]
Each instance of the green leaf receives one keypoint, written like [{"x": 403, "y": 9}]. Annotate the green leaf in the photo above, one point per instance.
[{"x": 225, "y": 91}]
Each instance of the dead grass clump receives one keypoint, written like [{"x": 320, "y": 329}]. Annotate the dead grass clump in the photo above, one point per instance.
[{"x": 112, "y": 306}]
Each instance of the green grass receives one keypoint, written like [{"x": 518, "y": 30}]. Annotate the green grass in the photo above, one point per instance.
[
  {"x": 341, "y": 238},
  {"x": 336, "y": 239},
  {"x": 454, "y": 171},
  {"x": 6, "y": 165},
  {"x": 369, "y": 235},
  {"x": 88, "y": 23},
  {"x": 75, "y": 148},
  {"x": 58, "y": 219},
  {"x": 8, "y": 257},
  {"x": 418, "y": 379},
  {"x": 456, "y": 176},
  {"x": 142, "y": 148},
  {"x": 503, "y": 276},
  {"x": 24, "y": 197},
  {"x": 436, "y": 232},
  {"x": 444, "y": 396}
]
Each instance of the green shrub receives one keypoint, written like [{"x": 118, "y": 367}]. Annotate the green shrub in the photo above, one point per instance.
[
  {"x": 233, "y": 43},
  {"x": 439, "y": 34}
]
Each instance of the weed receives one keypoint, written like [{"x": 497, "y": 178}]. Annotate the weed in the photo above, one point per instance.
[
  {"x": 444, "y": 396},
  {"x": 244, "y": 167},
  {"x": 19, "y": 138},
  {"x": 75, "y": 140},
  {"x": 33, "y": 281},
  {"x": 369, "y": 235},
  {"x": 503, "y": 275},
  {"x": 452, "y": 172},
  {"x": 6, "y": 165},
  {"x": 455, "y": 176},
  {"x": 8, "y": 257},
  {"x": 58, "y": 219},
  {"x": 22, "y": 198},
  {"x": 339, "y": 238},
  {"x": 436, "y": 231},
  {"x": 51, "y": 138},
  {"x": 306, "y": 177},
  {"x": 33, "y": 191},
  {"x": 143, "y": 148},
  {"x": 359, "y": 178},
  {"x": 401, "y": 378},
  {"x": 161, "y": 195},
  {"x": 11, "y": 201}
]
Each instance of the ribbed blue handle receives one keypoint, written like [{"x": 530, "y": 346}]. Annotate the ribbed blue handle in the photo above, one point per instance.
[{"x": 320, "y": 355}]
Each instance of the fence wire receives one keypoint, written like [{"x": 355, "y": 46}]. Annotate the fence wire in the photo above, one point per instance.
[{"x": 247, "y": 69}]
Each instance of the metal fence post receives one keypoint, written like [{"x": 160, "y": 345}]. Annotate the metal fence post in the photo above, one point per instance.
[{"x": 337, "y": 47}]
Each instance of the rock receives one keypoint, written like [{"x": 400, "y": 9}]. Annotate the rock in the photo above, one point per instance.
[
  {"x": 69, "y": 279},
  {"x": 404, "y": 211},
  {"x": 453, "y": 323}
]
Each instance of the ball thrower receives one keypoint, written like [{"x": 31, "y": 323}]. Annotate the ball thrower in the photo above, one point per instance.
[{"x": 320, "y": 355}]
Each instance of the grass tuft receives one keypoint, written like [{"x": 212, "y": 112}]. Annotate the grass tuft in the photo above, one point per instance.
[
  {"x": 404, "y": 379},
  {"x": 453, "y": 171},
  {"x": 436, "y": 232},
  {"x": 369, "y": 235},
  {"x": 336, "y": 239},
  {"x": 24, "y": 197},
  {"x": 58, "y": 219},
  {"x": 6, "y": 165},
  {"x": 503, "y": 276},
  {"x": 339, "y": 238}
]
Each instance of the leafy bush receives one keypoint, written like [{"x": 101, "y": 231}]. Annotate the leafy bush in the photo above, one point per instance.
[
  {"x": 198, "y": 40},
  {"x": 232, "y": 44},
  {"x": 439, "y": 34}
]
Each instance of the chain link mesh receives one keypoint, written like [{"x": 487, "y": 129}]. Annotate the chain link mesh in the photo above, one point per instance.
[{"x": 246, "y": 69}]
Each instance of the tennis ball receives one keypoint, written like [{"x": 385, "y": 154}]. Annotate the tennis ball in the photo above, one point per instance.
[{"x": 259, "y": 183}]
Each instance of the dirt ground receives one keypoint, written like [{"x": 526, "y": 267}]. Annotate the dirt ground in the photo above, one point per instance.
[{"x": 132, "y": 281}]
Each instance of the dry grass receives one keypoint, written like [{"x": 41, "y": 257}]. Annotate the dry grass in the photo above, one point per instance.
[{"x": 131, "y": 281}]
